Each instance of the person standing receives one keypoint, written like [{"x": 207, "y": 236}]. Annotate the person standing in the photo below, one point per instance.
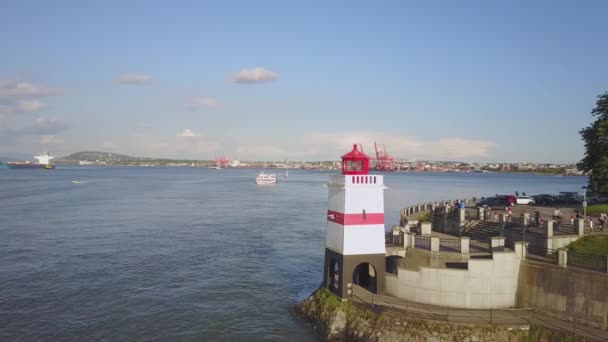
[{"x": 536, "y": 217}]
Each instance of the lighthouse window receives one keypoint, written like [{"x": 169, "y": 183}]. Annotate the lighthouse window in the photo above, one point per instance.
[
  {"x": 364, "y": 218},
  {"x": 353, "y": 179},
  {"x": 374, "y": 179}
]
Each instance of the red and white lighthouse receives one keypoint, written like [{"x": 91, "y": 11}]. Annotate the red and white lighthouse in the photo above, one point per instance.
[{"x": 354, "y": 246}]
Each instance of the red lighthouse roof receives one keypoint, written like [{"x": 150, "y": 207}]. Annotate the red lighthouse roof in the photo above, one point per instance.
[{"x": 355, "y": 162}]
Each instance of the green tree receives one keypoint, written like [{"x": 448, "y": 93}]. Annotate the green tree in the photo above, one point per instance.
[{"x": 595, "y": 162}]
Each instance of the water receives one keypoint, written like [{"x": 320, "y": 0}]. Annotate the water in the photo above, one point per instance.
[{"x": 133, "y": 254}]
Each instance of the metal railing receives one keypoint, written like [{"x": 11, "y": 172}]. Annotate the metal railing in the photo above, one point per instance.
[
  {"x": 394, "y": 240},
  {"x": 542, "y": 254},
  {"x": 479, "y": 246},
  {"x": 449, "y": 245},
  {"x": 588, "y": 261},
  {"x": 423, "y": 243}
]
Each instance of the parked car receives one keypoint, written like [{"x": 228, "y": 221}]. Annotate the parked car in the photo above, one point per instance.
[
  {"x": 594, "y": 199},
  {"x": 544, "y": 199},
  {"x": 527, "y": 200},
  {"x": 510, "y": 198},
  {"x": 494, "y": 202}
]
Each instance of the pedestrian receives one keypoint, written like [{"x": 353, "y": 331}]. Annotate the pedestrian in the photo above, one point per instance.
[
  {"x": 603, "y": 220},
  {"x": 557, "y": 215},
  {"x": 578, "y": 214},
  {"x": 536, "y": 217},
  {"x": 516, "y": 193}
]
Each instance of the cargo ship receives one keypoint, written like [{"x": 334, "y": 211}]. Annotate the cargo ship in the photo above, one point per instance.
[{"x": 44, "y": 162}]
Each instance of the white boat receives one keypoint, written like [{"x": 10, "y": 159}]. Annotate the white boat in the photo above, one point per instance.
[{"x": 265, "y": 178}]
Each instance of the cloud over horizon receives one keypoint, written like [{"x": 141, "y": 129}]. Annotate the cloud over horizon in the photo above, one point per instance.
[
  {"x": 255, "y": 75},
  {"x": 134, "y": 79},
  {"x": 199, "y": 101},
  {"x": 18, "y": 98}
]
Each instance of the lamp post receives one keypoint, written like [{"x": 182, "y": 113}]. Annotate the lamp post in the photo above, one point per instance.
[{"x": 584, "y": 202}]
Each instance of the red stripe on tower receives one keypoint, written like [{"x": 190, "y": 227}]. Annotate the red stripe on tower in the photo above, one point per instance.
[{"x": 355, "y": 219}]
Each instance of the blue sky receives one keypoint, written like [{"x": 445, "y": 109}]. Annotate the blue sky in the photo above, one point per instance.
[{"x": 471, "y": 80}]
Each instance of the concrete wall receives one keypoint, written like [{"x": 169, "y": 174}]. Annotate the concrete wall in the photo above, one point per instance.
[
  {"x": 540, "y": 241},
  {"x": 565, "y": 293},
  {"x": 488, "y": 283}
]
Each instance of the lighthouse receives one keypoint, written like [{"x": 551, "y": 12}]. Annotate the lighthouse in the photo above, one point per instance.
[{"x": 354, "y": 245}]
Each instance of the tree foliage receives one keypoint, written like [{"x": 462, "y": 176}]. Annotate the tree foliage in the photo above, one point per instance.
[{"x": 595, "y": 162}]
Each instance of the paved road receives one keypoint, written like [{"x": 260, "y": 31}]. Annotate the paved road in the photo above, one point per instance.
[{"x": 505, "y": 317}]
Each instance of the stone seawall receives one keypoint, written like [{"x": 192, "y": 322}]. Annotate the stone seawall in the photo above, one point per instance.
[
  {"x": 566, "y": 293},
  {"x": 335, "y": 320}
]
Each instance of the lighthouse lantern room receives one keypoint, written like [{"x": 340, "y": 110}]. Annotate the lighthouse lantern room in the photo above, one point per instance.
[{"x": 354, "y": 245}]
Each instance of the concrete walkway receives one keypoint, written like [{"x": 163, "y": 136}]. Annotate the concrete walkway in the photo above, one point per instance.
[{"x": 504, "y": 317}]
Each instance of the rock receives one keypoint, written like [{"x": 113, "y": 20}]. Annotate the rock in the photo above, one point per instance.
[
  {"x": 397, "y": 323},
  {"x": 433, "y": 339},
  {"x": 466, "y": 339},
  {"x": 435, "y": 333},
  {"x": 338, "y": 323}
]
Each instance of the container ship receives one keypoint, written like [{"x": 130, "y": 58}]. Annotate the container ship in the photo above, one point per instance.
[{"x": 44, "y": 162}]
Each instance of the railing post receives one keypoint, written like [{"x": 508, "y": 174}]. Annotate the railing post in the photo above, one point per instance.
[
  {"x": 580, "y": 227},
  {"x": 434, "y": 244},
  {"x": 562, "y": 257},
  {"x": 464, "y": 244},
  {"x": 548, "y": 228},
  {"x": 497, "y": 244},
  {"x": 425, "y": 228}
]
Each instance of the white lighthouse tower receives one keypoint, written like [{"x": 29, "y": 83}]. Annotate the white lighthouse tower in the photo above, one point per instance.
[{"x": 354, "y": 246}]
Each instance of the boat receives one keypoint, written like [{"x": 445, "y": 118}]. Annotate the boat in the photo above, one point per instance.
[
  {"x": 215, "y": 167},
  {"x": 44, "y": 162},
  {"x": 265, "y": 178}
]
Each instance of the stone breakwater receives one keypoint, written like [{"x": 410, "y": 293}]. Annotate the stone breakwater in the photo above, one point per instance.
[{"x": 335, "y": 320}]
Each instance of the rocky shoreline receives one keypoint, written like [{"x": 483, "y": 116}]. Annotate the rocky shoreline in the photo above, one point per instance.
[{"x": 335, "y": 320}]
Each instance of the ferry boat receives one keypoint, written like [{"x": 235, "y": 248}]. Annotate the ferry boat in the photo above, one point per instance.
[
  {"x": 264, "y": 178},
  {"x": 44, "y": 162}
]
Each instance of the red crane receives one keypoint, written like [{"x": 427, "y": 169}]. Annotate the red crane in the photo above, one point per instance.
[{"x": 384, "y": 161}]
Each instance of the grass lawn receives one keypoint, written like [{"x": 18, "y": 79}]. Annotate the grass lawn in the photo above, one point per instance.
[
  {"x": 597, "y": 245},
  {"x": 595, "y": 210}
]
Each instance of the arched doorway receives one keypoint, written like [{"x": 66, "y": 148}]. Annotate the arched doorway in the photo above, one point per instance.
[
  {"x": 392, "y": 263},
  {"x": 365, "y": 276}
]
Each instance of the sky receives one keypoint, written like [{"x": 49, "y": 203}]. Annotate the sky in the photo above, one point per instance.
[{"x": 477, "y": 81}]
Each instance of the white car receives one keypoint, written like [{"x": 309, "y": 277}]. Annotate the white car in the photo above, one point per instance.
[{"x": 525, "y": 200}]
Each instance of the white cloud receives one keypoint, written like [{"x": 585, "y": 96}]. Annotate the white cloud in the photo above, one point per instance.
[
  {"x": 187, "y": 133},
  {"x": 255, "y": 75},
  {"x": 198, "y": 102},
  {"x": 136, "y": 79},
  {"x": 30, "y": 106},
  {"x": 13, "y": 90}
]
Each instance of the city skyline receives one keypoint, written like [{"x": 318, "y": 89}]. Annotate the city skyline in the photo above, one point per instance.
[{"x": 471, "y": 82}]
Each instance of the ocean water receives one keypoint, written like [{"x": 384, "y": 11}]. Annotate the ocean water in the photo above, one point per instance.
[{"x": 156, "y": 254}]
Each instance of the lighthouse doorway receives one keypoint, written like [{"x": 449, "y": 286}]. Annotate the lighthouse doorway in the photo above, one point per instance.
[{"x": 365, "y": 276}]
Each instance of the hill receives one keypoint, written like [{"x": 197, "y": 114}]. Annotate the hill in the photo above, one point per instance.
[{"x": 95, "y": 156}]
